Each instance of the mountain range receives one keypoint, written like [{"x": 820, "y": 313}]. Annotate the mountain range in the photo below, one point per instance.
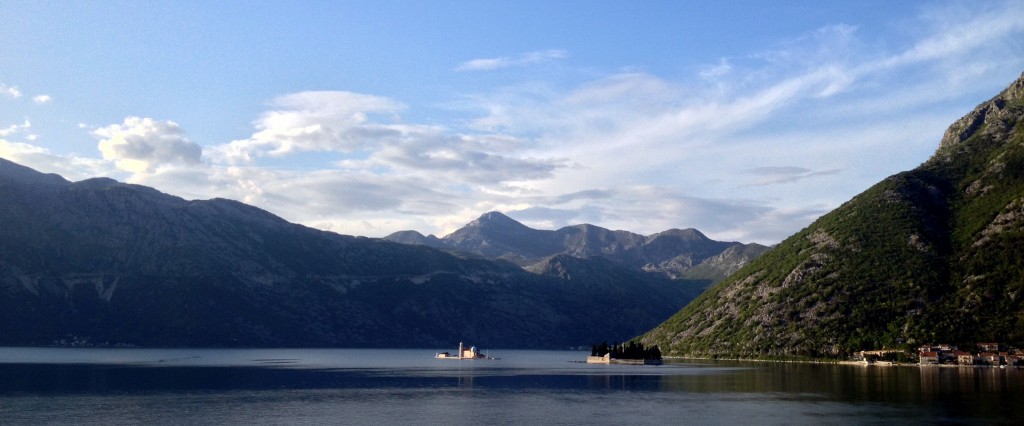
[
  {"x": 931, "y": 255},
  {"x": 676, "y": 253},
  {"x": 104, "y": 262}
]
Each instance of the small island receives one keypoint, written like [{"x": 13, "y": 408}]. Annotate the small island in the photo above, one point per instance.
[
  {"x": 463, "y": 353},
  {"x": 631, "y": 353}
]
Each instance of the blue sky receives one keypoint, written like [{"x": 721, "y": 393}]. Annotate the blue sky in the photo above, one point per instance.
[{"x": 744, "y": 119}]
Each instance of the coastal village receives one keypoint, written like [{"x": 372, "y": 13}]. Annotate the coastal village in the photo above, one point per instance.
[{"x": 988, "y": 354}]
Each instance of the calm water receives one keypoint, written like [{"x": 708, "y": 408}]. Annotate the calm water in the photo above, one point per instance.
[{"x": 355, "y": 386}]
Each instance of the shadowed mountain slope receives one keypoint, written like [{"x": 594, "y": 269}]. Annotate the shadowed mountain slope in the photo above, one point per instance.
[{"x": 100, "y": 262}]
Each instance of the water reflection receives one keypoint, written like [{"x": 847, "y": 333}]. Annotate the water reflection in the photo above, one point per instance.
[
  {"x": 954, "y": 392},
  {"x": 863, "y": 382},
  {"x": 359, "y": 378}
]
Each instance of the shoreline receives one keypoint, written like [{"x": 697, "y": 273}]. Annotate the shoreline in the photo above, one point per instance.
[{"x": 886, "y": 364}]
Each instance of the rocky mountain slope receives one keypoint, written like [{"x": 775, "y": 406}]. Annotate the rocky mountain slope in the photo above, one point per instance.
[
  {"x": 100, "y": 261},
  {"x": 673, "y": 253},
  {"x": 935, "y": 254}
]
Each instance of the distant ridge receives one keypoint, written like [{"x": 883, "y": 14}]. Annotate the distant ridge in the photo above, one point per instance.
[
  {"x": 672, "y": 253},
  {"x": 932, "y": 255},
  {"x": 413, "y": 237}
]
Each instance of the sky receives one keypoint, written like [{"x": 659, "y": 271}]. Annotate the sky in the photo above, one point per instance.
[{"x": 746, "y": 120}]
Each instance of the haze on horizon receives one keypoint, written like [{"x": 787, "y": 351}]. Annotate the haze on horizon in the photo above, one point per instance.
[{"x": 742, "y": 119}]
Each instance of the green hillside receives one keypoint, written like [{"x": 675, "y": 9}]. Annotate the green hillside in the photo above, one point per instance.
[{"x": 935, "y": 254}]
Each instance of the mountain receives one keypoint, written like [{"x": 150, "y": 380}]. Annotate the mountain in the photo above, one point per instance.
[
  {"x": 497, "y": 236},
  {"x": 602, "y": 277},
  {"x": 415, "y": 238},
  {"x": 103, "y": 262},
  {"x": 931, "y": 255},
  {"x": 672, "y": 253}
]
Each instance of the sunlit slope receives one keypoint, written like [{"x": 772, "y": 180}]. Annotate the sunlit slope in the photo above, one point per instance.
[{"x": 935, "y": 254}]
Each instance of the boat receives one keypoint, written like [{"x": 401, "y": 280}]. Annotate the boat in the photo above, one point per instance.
[{"x": 463, "y": 353}]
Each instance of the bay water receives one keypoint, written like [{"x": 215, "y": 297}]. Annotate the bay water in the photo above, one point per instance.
[{"x": 90, "y": 386}]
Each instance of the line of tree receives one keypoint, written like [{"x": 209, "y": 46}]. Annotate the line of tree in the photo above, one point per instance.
[{"x": 631, "y": 350}]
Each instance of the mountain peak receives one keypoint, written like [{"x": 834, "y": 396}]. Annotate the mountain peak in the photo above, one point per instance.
[
  {"x": 689, "y": 234},
  {"x": 97, "y": 183},
  {"x": 990, "y": 118},
  {"x": 414, "y": 237},
  {"x": 495, "y": 218},
  {"x": 19, "y": 173}
]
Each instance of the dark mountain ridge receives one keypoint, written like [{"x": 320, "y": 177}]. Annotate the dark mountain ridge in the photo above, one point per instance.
[
  {"x": 925, "y": 256},
  {"x": 101, "y": 261}
]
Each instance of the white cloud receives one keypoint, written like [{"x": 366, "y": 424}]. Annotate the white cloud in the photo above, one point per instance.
[
  {"x": 315, "y": 121},
  {"x": 15, "y": 129},
  {"x": 372, "y": 171},
  {"x": 490, "y": 64},
  {"x": 70, "y": 167},
  {"x": 140, "y": 145},
  {"x": 10, "y": 91},
  {"x": 345, "y": 201},
  {"x": 20, "y": 130},
  {"x": 365, "y": 133},
  {"x": 13, "y": 150},
  {"x": 13, "y": 92},
  {"x": 751, "y": 147}
]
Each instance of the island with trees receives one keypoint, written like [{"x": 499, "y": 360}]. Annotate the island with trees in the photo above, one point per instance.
[{"x": 632, "y": 353}]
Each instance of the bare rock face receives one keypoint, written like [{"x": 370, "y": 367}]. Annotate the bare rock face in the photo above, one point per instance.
[{"x": 993, "y": 119}]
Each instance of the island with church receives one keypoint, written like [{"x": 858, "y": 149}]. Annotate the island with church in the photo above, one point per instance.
[{"x": 464, "y": 353}]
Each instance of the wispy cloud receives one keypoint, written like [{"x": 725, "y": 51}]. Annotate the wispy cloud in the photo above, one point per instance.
[
  {"x": 490, "y": 64},
  {"x": 958, "y": 32},
  {"x": 777, "y": 175},
  {"x": 42, "y": 99}
]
